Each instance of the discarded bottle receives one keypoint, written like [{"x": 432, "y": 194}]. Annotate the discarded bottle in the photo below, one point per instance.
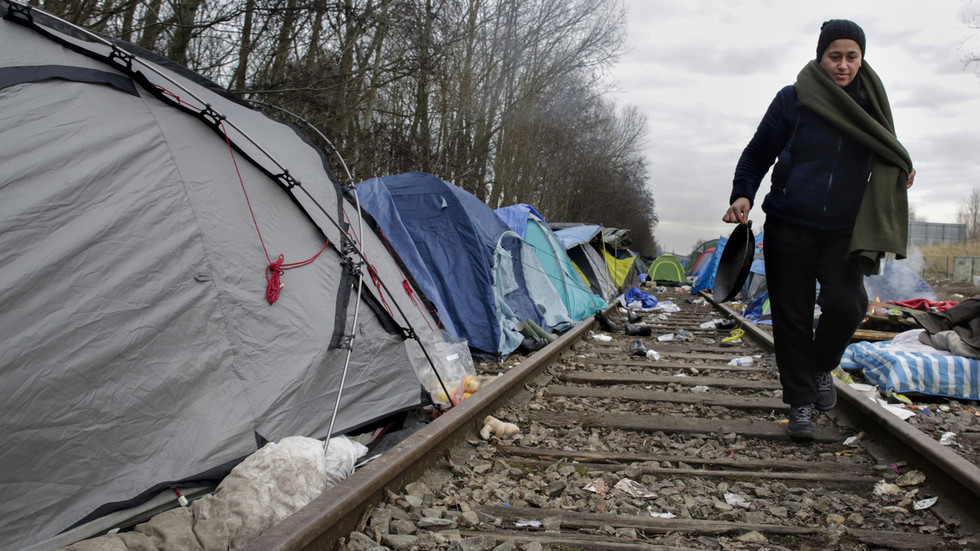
[
  {"x": 653, "y": 355},
  {"x": 683, "y": 335},
  {"x": 744, "y": 360}
]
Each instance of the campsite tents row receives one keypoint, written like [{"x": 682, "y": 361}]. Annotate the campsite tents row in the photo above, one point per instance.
[
  {"x": 184, "y": 277},
  {"x": 487, "y": 271},
  {"x": 484, "y": 275}
]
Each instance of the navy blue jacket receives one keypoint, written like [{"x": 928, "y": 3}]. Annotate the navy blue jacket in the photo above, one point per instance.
[{"x": 820, "y": 174}]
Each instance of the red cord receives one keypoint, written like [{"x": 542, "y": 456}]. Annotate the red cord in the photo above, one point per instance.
[
  {"x": 273, "y": 287},
  {"x": 275, "y": 269},
  {"x": 377, "y": 285}
]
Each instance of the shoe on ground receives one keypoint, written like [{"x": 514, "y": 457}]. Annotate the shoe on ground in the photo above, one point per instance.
[
  {"x": 637, "y": 348},
  {"x": 826, "y": 392},
  {"x": 801, "y": 422},
  {"x": 605, "y": 323},
  {"x": 638, "y": 330},
  {"x": 530, "y": 345}
]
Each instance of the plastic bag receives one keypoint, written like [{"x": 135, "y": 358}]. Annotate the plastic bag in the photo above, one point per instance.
[{"x": 456, "y": 378}]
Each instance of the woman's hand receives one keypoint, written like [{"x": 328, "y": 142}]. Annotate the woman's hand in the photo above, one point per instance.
[
  {"x": 911, "y": 178},
  {"x": 738, "y": 212}
]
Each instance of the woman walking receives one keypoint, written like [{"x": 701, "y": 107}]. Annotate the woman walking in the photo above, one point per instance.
[{"x": 837, "y": 203}]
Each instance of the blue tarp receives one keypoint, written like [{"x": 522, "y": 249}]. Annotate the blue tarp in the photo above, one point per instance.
[
  {"x": 460, "y": 243},
  {"x": 645, "y": 300},
  {"x": 904, "y": 371},
  {"x": 576, "y": 235},
  {"x": 758, "y": 311},
  {"x": 515, "y": 217}
]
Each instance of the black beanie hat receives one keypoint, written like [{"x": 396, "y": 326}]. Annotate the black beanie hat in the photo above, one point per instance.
[{"x": 839, "y": 28}]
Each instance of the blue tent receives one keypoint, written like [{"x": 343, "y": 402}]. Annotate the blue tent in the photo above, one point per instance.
[
  {"x": 376, "y": 201},
  {"x": 705, "y": 274},
  {"x": 580, "y": 302},
  {"x": 475, "y": 270},
  {"x": 706, "y": 280}
]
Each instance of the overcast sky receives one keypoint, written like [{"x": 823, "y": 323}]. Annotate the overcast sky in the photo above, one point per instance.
[{"x": 704, "y": 72}]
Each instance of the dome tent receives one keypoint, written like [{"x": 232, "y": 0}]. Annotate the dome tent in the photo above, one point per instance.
[
  {"x": 148, "y": 210},
  {"x": 585, "y": 258},
  {"x": 579, "y": 300},
  {"x": 666, "y": 269},
  {"x": 486, "y": 275}
]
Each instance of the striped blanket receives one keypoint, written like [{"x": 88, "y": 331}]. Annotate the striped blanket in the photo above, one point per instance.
[{"x": 905, "y": 366}]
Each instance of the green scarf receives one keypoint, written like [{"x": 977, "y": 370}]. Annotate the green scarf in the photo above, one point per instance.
[{"x": 883, "y": 220}]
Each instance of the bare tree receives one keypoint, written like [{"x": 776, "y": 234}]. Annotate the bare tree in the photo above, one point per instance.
[
  {"x": 183, "y": 27},
  {"x": 971, "y": 46},
  {"x": 502, "y": 97},
  {"x": 969, "y": 214}
]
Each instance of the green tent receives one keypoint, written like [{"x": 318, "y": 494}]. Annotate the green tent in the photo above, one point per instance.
[{"x": 666, "y": 269}]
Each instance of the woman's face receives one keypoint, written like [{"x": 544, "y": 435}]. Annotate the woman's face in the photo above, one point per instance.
[{"x": 841, "y": 60}]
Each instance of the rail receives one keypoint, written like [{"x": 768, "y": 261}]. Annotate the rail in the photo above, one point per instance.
[{"x": 340, "y": 511}]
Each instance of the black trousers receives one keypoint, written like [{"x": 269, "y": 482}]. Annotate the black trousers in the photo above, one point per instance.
[{"x": 797, "y": 259}]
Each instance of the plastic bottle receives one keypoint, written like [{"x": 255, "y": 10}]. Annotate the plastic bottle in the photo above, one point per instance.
[{"x": 744, "y": 360}]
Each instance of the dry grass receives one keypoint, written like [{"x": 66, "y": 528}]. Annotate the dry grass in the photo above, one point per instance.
[
  {"x": 969, "y": 248},
  {"x": 937, "y": 269}
]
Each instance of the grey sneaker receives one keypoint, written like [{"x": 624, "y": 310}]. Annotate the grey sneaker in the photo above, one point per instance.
[
  {"x": 826, "y": 392},
  {"x": 801, "y": 422}
]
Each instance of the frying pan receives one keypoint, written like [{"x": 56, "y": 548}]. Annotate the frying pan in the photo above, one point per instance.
[{"x": 736, "y": 259}]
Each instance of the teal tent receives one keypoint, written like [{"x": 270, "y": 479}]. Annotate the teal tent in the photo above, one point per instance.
[{"x": 579, "y": 300}]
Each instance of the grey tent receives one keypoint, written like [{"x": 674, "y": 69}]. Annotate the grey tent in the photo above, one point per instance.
[
  {"x": 140, "y": 211},
  {"x": 576, "y": 238},
  {"x": 589, "y": 261}
]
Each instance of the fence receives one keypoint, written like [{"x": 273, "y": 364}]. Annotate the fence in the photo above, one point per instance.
[
  {"x": 956, "y": 268},
  {"x": 931, "y": 233}
]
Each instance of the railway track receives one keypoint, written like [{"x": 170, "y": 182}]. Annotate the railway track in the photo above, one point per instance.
[{"x": 619, "y": 451}]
